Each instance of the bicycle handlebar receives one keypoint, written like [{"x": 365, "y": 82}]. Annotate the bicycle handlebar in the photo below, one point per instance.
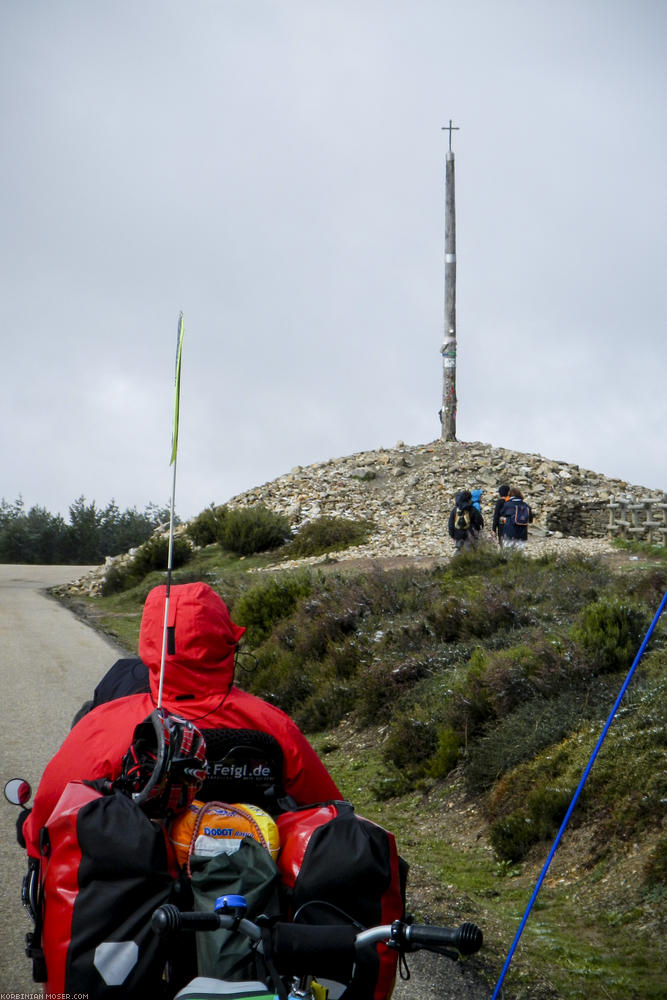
[
  {"x": 168, "y": 919},
  {"x": 296, "y": 944},
  {"x": 466, "y": 939}
]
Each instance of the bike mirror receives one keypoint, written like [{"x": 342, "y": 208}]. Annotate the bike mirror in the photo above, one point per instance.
[{"x": 18, "y": 791}]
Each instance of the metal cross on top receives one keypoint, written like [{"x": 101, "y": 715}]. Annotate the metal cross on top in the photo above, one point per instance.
[{"x": 450, "y": 128}]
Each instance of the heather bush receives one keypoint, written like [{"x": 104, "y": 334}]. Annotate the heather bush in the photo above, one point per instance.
[
  {"x": 540, "y": 819},
  {"x": 247, "y": 530},
  {"x": 447, "y": 753},
  {"x": 152, "y": 556},
  {"x": 411, "y": 741},
  {"x": 655, "y": 869},
  {"x": 498, "y": 681},
  {"x": 280, "y": 680},
  {"x": 328, "y": 534},
  {"x": 609, "y": 633},
  {"x": 207, "y": 527},
  {"x": 383, "y": 681},
  {"x": 266, "y": 603},
  {"x": 535, "y": 724}
]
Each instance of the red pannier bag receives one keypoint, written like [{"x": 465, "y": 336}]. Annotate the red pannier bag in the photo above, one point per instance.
[
  {"x": 331, "y": 856},
  {"x": 104, "y": 868}
]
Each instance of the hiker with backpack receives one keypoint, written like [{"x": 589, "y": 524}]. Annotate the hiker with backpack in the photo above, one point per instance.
[
  {"x": 465, "y": 522},
  {"x": 496, "y": 526},
  {"x": 515, "y": 516}
]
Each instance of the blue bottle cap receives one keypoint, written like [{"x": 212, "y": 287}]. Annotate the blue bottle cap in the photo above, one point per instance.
[{"x": 230, "y": 902}]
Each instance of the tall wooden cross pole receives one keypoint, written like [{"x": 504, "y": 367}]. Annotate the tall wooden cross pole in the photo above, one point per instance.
[{"x": 448, "y": 350}]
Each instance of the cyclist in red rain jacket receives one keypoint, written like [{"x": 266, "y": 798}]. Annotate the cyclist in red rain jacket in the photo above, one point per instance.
[{"x": 199, "y": 686}]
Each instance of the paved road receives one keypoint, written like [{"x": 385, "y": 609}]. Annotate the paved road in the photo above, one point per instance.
[{"x": 49, "y": 663}]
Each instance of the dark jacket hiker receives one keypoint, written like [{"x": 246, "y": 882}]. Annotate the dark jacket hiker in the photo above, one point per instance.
[
  {"x": 515, "y": 517},
  {"x": 504, "y": 493},
  {"x": 465, "y": 521}
]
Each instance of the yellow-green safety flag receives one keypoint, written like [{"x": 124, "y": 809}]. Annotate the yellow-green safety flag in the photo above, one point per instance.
[{"x": 177, "y": 394}]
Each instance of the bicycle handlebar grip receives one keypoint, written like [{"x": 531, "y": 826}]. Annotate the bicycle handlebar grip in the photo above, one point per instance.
[
  {"x": 169, "y": 918},
  {"x": 326, "y": 950},
  {"x": 467, "y": 939}
]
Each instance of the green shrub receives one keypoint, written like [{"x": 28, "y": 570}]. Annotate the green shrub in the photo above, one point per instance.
[
  {"x": 655, "y": 869},
  {"x": 151, "y": 556},
  {"x": 390, "y": 786},
  {"x": 447, "y": 618},
  {"x": 546, "y": 806},
  {"x": 383, "y": 681},
  {"x": 269, "y": 602},
  {"x": 320, "y": 622},
  {"x": 246, "y": 530},
  {"x": 281, "y": 681},
  {"x": 115, "y": 580},
  {"x": 327, "y": 706},
  {"x": 411, "y": 741},
  {"x": 343, "y": 659},
  {"x": 649, "y": 588},
  {"x": 328, "y": 534},
  {"x": 513, "y": 835},
  {"x": 154, "y": 555},
  {"x": 535, "y": 724},
  {"x": 498, "y": 681},
  {"x": 609, "y": 634},
  {"x": 207, "y": 527},
  {"x": 447, "y": 754}
]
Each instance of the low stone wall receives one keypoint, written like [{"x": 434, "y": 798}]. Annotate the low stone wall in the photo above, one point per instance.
[{"x": 579, "y": 520}]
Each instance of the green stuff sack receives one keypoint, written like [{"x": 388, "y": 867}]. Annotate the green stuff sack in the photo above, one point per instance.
[{"x": 251, "y": 872}]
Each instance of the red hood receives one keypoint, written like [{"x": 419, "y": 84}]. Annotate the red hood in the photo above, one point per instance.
[{"x": 205, "y": 640}]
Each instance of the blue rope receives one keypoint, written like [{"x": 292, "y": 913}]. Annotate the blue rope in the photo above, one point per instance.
[{"x": 576, "y": 796}]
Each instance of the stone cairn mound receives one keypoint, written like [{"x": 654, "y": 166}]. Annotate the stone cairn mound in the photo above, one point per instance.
[{"x": 408, "y": 492}]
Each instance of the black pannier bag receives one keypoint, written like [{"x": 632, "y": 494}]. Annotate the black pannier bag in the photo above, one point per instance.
[
  {"x": 338, "y": 867},
  {"x": 104, "y": 868}
]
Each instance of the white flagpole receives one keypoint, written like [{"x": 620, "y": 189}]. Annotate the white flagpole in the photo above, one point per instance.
[{"x": 174, "y": 453}]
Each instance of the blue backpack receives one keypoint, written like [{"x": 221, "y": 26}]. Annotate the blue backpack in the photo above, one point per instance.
[
  {"x": 477, "y": 499},
  {"x": 516, "y": 514}
]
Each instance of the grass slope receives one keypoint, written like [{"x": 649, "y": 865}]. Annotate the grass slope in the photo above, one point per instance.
[{"x": 458, "y": 706}]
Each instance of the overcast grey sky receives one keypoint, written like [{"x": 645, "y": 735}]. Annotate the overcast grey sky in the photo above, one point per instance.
[{"x": 275, "y": 169}]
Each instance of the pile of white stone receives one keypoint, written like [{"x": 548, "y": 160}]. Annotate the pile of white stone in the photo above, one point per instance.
[{"x": 408, "y": 492}]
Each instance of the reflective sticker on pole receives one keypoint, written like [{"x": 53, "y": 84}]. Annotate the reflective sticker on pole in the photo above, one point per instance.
[{"x": 177, "y": 392}]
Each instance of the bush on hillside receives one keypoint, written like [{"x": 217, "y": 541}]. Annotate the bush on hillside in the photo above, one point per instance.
[
  {"x": 207, "y": 527},
  {"x": 265, "y": 604},
  {"x": 247, "y": 530},
  {"x": 280, "y": 682},
  {"x": 152, "y": 556},
  {"x": 328, "y": 534},
  {"x": 447, "y": 753},
  {"x": 540, "y": 819},
  {"x": 655, "y": 869},
  {"x": 411, "y": 741},
  {"x": 609, "y": 633},
  {"x": 498, "y": 681}
]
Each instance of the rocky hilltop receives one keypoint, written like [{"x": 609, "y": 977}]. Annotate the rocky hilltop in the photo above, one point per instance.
[{"x": 408, "y": 492}]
